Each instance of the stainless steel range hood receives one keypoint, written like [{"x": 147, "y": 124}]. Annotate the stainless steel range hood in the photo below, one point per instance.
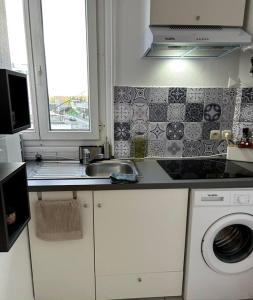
[{"x": 193, "y": 41}]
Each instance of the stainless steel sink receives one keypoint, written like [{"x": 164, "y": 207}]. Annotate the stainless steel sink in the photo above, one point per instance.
[
  {"x": 75, "y": 170},
  {"x": 105, "y": 168}
]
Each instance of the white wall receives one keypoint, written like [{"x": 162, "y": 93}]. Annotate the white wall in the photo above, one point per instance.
[
  {"x": 4, "y": 45},
  {"x": 131, "y": 19},
  {"x": 15, "y": 267}
]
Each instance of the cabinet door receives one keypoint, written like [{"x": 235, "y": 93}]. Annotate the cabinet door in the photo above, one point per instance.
[
  {"x": 139, "y": 231},
  {"x": 64, "y": 270},
  {"x": 197, "y": 12}
]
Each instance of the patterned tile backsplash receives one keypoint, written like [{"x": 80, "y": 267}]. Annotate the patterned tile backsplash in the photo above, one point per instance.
[{"x": 176, "y": 122}]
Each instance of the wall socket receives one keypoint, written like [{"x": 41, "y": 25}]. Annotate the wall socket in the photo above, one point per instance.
[
  {"x": 226, "y": 135},
  {"x": 215, "y": 135}
]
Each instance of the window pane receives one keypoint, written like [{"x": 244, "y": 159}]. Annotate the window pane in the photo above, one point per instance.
[
  {"x": 66, "y": 61},
  {"x": 17, "y": 41}
]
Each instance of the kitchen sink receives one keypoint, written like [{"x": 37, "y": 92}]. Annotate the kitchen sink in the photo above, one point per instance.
[
  {"x": 105, "y": 168},
  {"x": 75, "y": 170}
]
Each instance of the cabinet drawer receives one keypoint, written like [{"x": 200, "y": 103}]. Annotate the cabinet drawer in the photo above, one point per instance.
[{"x": 139, "y": 285}]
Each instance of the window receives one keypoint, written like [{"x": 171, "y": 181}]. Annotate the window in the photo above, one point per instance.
[
  {"x": 66, "y": 62},
  {"x": 63, "y": 64},
  {"x": 17, "y": 40}
]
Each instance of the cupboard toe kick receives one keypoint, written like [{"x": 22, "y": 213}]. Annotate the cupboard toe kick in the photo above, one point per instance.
[{"x": 139, "y": 285}]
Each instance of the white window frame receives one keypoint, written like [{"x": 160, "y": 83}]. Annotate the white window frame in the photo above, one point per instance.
[{"x": 37, "y": 68}]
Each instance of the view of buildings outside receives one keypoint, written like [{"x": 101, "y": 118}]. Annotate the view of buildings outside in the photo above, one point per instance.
[
  {"x": 66, "y": 59},
  {"x": 69, "y": 113}
]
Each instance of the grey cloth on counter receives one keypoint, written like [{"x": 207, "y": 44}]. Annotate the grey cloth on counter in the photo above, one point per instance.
[
  {"x": 117, "y": 178},
  {"x": 58, "y": 220}
]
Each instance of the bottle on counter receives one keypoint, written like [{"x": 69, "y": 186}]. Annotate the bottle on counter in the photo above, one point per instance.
[
  {"x": 139, "y": 146},
  {"x": 245, "y": 140},
  {"x": 107, "y": 149}
]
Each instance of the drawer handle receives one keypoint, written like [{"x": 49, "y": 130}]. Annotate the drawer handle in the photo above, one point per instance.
[
  {"x": 85, "y": 205},
  {"x": 139, "y": 279},
  {"x": 99, "y": 205}
]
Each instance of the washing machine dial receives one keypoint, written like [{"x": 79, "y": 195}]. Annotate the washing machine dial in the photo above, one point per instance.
[{"x": 242, "y": 199}]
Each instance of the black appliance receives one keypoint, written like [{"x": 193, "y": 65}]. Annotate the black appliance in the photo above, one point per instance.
[{"x": 203, "y": 169}]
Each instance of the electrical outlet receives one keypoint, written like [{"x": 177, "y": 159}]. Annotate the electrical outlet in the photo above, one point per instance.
[
  {"x": 215, "y": 135},
  {"x": 226, "y": 134}
]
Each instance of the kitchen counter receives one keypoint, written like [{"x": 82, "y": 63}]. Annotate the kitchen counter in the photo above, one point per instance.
[{"x": 152, "y": 177}]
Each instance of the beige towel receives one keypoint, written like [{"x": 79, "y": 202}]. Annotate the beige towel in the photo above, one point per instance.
[{"x": 58, "y": 220}]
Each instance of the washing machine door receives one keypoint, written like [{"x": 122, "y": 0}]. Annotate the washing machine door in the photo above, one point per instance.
[{"x": 227, "y": 246}]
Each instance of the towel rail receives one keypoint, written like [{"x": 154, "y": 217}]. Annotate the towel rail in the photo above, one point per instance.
[{"x": 39, "y": 195}]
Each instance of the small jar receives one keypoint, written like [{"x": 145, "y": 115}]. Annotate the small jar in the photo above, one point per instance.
[
  {"x": 10, "y": 215},
  {"x": 139, "y": 146}
]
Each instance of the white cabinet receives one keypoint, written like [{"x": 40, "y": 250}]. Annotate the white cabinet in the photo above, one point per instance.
[
  {"x": 139, "y": 243},
  {"x": 197, "y": 12},
  {"x": 64, "y": 270},
  {"x": 15, "y": 271}
]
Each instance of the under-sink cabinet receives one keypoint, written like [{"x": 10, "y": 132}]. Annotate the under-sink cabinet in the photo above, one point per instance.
[
  {"x": 64, "y": 270},
  {"x": 137, "y": 244}
]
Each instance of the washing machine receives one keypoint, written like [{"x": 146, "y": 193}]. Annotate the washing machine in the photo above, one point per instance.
[{"x": 219, "y": 253}]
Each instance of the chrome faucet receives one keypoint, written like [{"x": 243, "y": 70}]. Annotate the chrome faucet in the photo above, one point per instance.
[{"x": 89, "y": 153}]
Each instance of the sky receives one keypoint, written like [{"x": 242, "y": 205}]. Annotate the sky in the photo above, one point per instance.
[{"x": 65, "y": 43}]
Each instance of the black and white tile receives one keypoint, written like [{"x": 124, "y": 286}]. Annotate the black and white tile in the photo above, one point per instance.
[
  {"x": 140, "y": 95},
  {"x": 122, "y": 112},
  {"x": 157, "y": 131},
  {"x": 175, "y": 131},
  {"x": 177, "y": 95},
  {"x": 156, "y": 149},
  {"x": 247, "y": 95},
  {"x": 138, "y": 127},
  {"x": 208, "y": 127},
  {"x": 212, "y": 112},
  {"x": 246, "y": 113},
  {"x": 195, "y": 95},
  {"x": 158, "y": 95},
  {"x": 158, "y": 112},
  {"x": 140, "y": 111},
  {"x": 174, "y": 148},
  {"x": 122, "y": 149},
  {"x": 192, "y": 148},
  {"x": 193, "y": 131},
  {"x": 123, "y": 94},
  {"x": 121, "y": 131},
  {"x": 176, "y": 112},
  {"x": 176, "y": 122},
  {"x": 212, "y": 95},
  {"x": 194, "y": 112}
]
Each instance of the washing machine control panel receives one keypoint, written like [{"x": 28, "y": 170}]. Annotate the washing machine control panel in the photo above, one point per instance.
[
  {"x": 223, "y": 197},
  {"x": 241, "y": 199}
]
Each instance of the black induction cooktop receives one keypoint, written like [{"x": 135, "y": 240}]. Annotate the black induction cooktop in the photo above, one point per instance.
[{"x": 203, "y": 169}]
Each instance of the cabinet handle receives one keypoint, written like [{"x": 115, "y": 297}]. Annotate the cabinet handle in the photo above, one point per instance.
[
  {"x": 99, "y": 205},
  {"x": 85, "y": 205},
  {"x": 139, "y": 279},
  {"x": 197, "y": 18}
]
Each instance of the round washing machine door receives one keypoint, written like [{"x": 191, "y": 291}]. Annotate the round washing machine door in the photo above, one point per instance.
[{"x": 227, "y": 246}]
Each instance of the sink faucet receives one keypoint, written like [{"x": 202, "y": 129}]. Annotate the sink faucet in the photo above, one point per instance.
[{"x": 89, "y": 153}]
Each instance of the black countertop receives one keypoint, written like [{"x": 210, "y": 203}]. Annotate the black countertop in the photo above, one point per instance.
[{"x": 152, "y": 177}]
